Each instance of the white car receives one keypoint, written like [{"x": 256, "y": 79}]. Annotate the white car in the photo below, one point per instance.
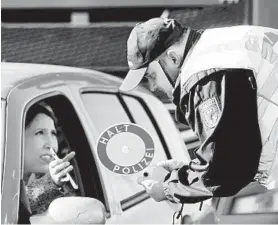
[{"x": 86, "y": 102}]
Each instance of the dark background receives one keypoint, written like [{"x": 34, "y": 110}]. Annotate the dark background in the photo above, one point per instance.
[{"x": 101, "y": 44}]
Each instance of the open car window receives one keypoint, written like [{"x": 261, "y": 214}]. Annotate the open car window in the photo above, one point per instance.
[{"x": 71, "y": 137}]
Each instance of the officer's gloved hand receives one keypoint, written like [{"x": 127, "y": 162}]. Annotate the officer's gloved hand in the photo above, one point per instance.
[
  {"x": 154, "y": 182},
  {"x": 172, "y": 164},
  {"x": 155, "y": 189}
]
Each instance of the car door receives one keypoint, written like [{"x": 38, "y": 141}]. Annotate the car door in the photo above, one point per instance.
[
  {"x": 17, "y": 102},
  {"x": 106, "y": 107},
  {"x": 126, "y": 192},
  {"x": 52, "y": 89}
]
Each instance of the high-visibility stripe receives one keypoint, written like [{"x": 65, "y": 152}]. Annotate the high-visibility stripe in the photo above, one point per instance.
[
  {"x": 268, "y": 120},
  {"x": 259, "y": 100},
  {"x": 268, "y": 156},
  {"x": 263, "y": 73},
  {"x": 270, "y": 97},
  {"x": 274, "y": 97},
  {"x": 262, "y": 106},
  {"x": 274, "y": 135},
  {"x": 270, "y": 85}
]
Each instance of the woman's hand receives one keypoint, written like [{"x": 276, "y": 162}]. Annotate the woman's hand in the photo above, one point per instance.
[{"x": 59, "y": 168}]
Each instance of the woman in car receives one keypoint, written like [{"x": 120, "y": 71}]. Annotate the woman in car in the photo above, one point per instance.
[{"x": 44, "y": 176}]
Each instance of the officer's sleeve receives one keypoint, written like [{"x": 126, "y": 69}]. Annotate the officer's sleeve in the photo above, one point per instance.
[{"x": 222, "y": 111}]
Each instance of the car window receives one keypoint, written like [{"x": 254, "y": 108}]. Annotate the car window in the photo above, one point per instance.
[
  {"x": 109, "y": 109},
  {"x": 105, "y": 110},
  {"x": 70, "y": 137},
  {"x": 142, "y": 118}
]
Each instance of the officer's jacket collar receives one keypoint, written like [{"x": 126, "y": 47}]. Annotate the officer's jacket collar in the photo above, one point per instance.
[{"x": 192, "y": 39}]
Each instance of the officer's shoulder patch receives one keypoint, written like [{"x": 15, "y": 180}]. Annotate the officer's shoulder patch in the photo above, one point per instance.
[{"x": 210, "y": 112}]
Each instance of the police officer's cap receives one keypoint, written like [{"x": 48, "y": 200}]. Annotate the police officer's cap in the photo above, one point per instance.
[{"x": 146, "y": 42}]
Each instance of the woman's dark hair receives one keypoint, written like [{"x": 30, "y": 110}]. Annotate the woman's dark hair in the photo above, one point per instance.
[{"x": 36, "y": 109}]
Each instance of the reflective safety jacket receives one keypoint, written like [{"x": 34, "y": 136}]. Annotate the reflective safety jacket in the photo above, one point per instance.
[{"x": 247, "y": 51}]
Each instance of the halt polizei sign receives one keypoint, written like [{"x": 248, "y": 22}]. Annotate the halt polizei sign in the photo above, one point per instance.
[{"x": 125, "y": 148}]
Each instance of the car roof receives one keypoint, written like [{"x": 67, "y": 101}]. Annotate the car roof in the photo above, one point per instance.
[{"x": 14, "y": 73}]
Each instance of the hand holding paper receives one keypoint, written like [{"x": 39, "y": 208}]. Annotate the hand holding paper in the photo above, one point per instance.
[{"x": 152, "y": 180}]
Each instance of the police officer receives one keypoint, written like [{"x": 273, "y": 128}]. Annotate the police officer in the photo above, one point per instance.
[{"x": 211, "y": 75}]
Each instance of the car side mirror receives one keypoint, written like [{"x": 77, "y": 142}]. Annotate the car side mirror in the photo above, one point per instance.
[{"x": 72, "y": 210}]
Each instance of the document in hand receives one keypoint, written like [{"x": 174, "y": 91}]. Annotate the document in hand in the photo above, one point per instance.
[{"x": 158, "y": 174}]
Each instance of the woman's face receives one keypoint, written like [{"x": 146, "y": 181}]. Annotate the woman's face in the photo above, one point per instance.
[{"x": 40, "y": 135}]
